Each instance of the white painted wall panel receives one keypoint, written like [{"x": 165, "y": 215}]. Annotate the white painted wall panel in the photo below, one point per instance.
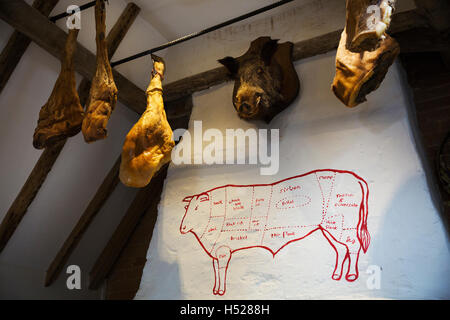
[{"x": 373, "y": 140}]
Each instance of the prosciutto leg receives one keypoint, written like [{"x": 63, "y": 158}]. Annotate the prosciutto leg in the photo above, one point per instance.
[
  {"x": 62, "y": 115},
  {"x": 364, "y": 54},
  {"x": 149, "y": 143},
  {"x": 103, "y": 94}
]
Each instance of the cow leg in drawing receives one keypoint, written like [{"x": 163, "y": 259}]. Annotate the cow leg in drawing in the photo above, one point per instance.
[
  {"x": 352, "y": 271},
  {"x": 356, "y": 238},
  {"x": 223, "y": 256},
  {"x": 216, "y": 276},
  {"x": 341, "y": 254}
]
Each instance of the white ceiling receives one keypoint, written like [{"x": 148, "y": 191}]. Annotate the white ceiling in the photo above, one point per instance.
[{"x": 176, "y": 18}]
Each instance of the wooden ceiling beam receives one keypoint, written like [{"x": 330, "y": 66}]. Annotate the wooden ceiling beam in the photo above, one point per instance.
[
  {"x": 437, "y": 13},
  {"x": 178, "y": 117},
  {"x": 114, "y": 38},
  {"x": 422, "y": 40},
  {"x": 147, "y": 199},
  {"x": 18, "y": 44},
  {"x": 107, "y": 187},
  {"x": 49, "y": 156},
  {"x": 147, "y": 196},
  {"x": 28, "y": 192},
  {"x": 51, "y": 38},
  {"x": 27, "y": 20},
  {"x": 303, "y": 49}
]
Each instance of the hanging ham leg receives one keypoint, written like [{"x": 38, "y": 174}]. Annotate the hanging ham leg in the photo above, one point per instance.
[
  {"x": 103, "y": 94},
  {"x": 149, "y": 143},
  {"x": 62, "y": 115},
  {"x": 363, "y": 58}
]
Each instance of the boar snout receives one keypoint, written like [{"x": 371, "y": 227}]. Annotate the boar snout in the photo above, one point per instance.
[{"x": 248, "y": 101}]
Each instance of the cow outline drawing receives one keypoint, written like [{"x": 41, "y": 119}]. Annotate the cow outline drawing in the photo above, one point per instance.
[{"x": 231, "y": 218}]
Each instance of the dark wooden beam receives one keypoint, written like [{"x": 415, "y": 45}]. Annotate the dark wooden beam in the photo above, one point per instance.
[
  {"x": 49, "y": 156},
  {"x": 125, "y": 276},
  {"x": 421, "y": 40},
  {"x": 302, "y": 50},
  {"x": 178, "y": 118},
  {"x": 121, "y": 27},
  {"x": 407, "y": 20},
  {"x": 114, "y": 38},
  {"x": 146, "y": 199},
  {"x": 437, "y": 13},
  {"x": 48, "y": 36},
  {"x": 328, "y": 42},
  {"x": 27, "y": 193},
  {"x": 106, "y": 189},
  {"x": 18, "y": 44}
]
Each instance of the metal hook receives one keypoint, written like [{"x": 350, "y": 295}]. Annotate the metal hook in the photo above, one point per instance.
[
  {"x": 153, "y": 66},
  {"x": 154, "y": 59}
]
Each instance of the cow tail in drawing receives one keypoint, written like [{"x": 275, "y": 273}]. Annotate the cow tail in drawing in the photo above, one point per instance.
[{"x": 363, "y": 233}]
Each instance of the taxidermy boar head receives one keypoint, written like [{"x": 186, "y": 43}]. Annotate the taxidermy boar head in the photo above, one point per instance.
[{"x": 265, "y": 79}]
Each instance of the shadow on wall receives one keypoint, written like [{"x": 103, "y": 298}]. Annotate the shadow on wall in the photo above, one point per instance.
[
  {"x": 412, "y": 247},
  {"x": 419, "y": 145},
  {"x": 166, "y": 273}
]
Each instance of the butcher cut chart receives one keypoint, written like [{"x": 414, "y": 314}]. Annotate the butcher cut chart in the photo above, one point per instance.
[{"x": 230, "y": 218}]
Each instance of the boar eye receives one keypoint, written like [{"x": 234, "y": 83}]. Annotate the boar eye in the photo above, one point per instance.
[{"x": 260, "y": 70}]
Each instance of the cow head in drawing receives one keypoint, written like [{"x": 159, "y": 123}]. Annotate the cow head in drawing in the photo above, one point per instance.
[
  {"x": 265, "y": 79},
  {"x": 197, "y": 213}
]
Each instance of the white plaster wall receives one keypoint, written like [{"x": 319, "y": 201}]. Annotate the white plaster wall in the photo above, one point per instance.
[
  {"x": 76, "y": 175},
  {"x": 316, "y": 132},
  {"x": 374, "y": 140},
  {"x": 315, "y": 119}
]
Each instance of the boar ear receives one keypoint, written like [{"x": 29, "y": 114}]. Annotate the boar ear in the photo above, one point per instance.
[
  {"x": 268, "y": 50},
  {"x": 231, "y": 64}
]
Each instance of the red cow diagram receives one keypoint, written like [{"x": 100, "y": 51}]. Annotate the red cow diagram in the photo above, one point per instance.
[{"x": 230, "y": 218}]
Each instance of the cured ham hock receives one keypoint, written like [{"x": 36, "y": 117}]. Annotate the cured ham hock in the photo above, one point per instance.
[
  {"x": 149, "y": 143},
  {"x": 365, "y": 51},
  {"x": 62, "y": 115},
  {"x": 103, "y": 94}
]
